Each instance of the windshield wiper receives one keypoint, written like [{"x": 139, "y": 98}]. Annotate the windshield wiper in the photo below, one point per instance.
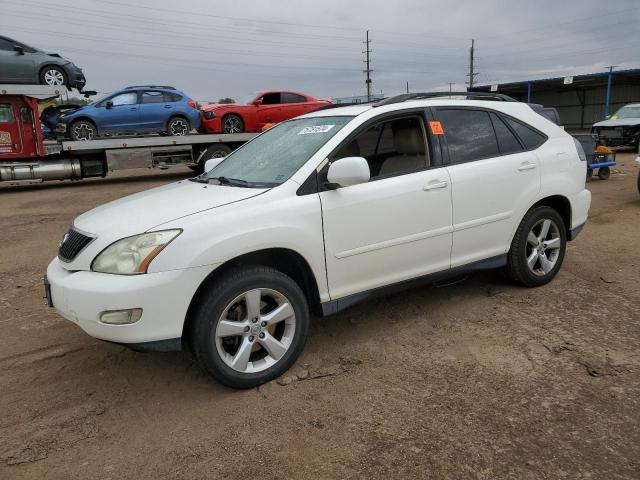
[{"x": 234, "y": 182}]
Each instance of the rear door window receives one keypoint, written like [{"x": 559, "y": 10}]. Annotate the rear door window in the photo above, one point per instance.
[
  {"x": 530, "y": 138},
  {"x": 469, "y": 134},
  {"x": 507, "y": 141},
  {"x": 153, "y": 97}
]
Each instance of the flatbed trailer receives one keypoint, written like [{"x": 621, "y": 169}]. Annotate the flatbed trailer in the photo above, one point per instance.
[{"x": 25, "y": 157}]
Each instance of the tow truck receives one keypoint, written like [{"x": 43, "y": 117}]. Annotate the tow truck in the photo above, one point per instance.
[{"x": 25, "y": 157}]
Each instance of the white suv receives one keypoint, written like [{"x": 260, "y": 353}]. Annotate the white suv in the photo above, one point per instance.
[{"x": 316, "y": 214}]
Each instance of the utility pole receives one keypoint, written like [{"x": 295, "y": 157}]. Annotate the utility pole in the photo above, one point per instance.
[
  {"x": 368, "y": 71},
  {"x": 608, "y": 96},
  {"x": 472, "y": 73},
  {"x": 451, "y": 86},
  {"x": 407, "y": 87}
]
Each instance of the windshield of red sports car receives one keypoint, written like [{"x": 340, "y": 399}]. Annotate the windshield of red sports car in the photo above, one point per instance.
[{"x": 271, "y": 158}]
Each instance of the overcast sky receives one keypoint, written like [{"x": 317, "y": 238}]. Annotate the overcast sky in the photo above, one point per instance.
[{"x": 213, "y": 49}]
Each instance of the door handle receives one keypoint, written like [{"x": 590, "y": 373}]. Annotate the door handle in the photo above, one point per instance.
[
  {"x": 167, "y": 106},
  {"x": 133, "y": 109},
  {"x": 435, "y": 185},
  {"x": 526, "y": 166}
]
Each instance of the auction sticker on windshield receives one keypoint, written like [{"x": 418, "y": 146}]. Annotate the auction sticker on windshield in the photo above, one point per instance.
[{"x": 316, "y": 129}]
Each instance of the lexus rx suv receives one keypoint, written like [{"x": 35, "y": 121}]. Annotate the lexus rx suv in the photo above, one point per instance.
[{"x": 316, "y": 214}]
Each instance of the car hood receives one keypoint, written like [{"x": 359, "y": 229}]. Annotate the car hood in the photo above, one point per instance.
[
  {"x": 618, "y": 122},
  {"x": 145, "y": 210}
]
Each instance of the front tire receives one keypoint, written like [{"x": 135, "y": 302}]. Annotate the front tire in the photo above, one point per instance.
[
  {"x": 538, "y": 247},
  {"x": 53, "y": 76},
  {"x": 250, "y": 326},
  {"x": 232, "y": 124},
  {"x": 83, "y": 130},
  {"x": 178, "y": 126}
]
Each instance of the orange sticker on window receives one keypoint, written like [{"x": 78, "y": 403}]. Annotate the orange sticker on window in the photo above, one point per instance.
[{"x": 436, "y": 127}]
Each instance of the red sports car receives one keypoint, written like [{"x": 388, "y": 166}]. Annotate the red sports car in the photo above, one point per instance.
[{"x": 267, "y": 107}]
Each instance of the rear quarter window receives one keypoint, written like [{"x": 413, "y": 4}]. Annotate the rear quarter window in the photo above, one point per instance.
[{"x": 530, "y": 138}]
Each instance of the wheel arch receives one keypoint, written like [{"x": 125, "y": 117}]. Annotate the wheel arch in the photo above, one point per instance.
[
  {"x": 176, "y": 115},
  {"x": 287, "y": 261},
  {"x": 560, "y": 204},
  {"x": 87, "y": 119},
  {"x": 53, "y": 64}
]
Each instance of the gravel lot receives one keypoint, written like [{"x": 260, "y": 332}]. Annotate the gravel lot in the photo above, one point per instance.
[{"x": 475, "y": 379}]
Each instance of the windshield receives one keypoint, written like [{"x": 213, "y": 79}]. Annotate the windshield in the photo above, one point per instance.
[
  {"x": 628, "y": 112},
  {"x": 271, "y": 158}
]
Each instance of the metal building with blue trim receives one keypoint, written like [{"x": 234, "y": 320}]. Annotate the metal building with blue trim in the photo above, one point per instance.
[{"x": 581, "y": 100}]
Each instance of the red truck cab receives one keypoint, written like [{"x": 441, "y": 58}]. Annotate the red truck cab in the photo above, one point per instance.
[{"x": 20, "y": 131}]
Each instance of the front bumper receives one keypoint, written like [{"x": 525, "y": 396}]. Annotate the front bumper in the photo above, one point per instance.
[
  {"x": 81, "y": 296},
  {"x": 616, "y": 136},
  {"x": 76, "y": 77},
  {"x": 213, "y": 125}
]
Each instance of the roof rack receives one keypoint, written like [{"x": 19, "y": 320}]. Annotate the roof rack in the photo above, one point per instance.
[
  {"x": 149, "y": 86},
  {"x": 468, "y": 96}
]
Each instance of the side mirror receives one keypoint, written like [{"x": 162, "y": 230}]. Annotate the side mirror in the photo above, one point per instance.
[
  {"x": 607, "y": 117},
  {"x": 19, "y": 49},
  {"x": 348, "y": 171},
  {"x": 212, "y": 163},
  {"x": 109, "y": 104}
]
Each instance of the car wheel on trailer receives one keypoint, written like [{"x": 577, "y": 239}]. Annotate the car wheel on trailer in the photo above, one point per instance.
[
  {"x": 178, "y": 126},
  {"x": 83, "y": 130},
  {"x": 53, "y": 76},
  {"x": 250, "y": 326},
  {"x": 217, "y": 150},
  {"x": 538, "y": 247},
  {"x": 604, "y": 173},
  {"x": 232, "y": 124}
]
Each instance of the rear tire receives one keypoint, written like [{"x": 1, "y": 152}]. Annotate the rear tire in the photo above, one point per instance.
[
  {"x": 232, "y": 124},
  {"x": 250, "y": 326},
  {"x": 538, "y": 247},
  {"x": 53, "y": 76},
  {"x": 178, "y": 126},
  {"x": 83, "y": 130}
]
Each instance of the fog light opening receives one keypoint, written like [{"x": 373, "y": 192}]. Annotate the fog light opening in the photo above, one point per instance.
[{"x": 121, "y": 317}]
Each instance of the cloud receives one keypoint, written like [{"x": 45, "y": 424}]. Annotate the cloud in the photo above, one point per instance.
[{"x": 218, "y": 49}]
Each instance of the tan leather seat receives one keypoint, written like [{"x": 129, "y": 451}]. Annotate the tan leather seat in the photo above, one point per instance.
[{"x": 409, "y": 144}]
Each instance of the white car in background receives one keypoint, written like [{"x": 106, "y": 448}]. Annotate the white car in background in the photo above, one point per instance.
[{"x": 316, "y": 214}]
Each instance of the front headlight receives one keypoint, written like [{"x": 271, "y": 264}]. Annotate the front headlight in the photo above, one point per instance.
[
  {"x": 132, "y": 255},
  {"x": 209, "y": 115}
]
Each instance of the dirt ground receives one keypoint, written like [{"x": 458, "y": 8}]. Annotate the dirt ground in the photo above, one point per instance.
[{"x": 476, "y": 379}]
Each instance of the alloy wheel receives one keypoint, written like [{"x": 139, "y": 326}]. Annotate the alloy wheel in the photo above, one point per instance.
[
  {"x": 232, "y": 125},
  {"x": 543, "y": 247},
  {"x": 178, "y": 127},
  {"x": 53, "y": 77},
  {"x": 83, "y": 132},
  {"x": 255, "y": 330}
]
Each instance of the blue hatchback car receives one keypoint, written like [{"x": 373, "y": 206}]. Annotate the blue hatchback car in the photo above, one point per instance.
[{"x": 133, "y": 110}]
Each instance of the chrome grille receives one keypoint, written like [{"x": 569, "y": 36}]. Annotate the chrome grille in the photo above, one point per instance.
[{"x": 72, "y": 244}]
